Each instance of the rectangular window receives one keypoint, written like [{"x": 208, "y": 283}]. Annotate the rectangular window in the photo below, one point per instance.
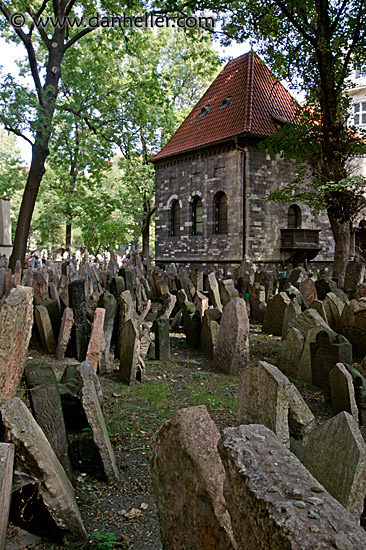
[{"x": 356, "y": 108}]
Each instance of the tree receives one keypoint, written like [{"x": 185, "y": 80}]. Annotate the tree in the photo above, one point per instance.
[
  {"x": 46, "y": 50},
  {"x": 313, "y": 44}
]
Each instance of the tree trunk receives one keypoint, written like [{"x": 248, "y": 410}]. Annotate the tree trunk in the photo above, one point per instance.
[
  {"x": 68, "y": 235},
  {"x": 146, "y": 241},
  {"x": 342, "y": 238},
  {"x": 36, "y": 171}
]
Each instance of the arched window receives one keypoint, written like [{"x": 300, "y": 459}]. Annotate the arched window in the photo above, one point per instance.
[
  {"x": 294, "y": 217},
  {"x": 220, "y": 204},
  {"x": 175, "y": 219},
  {"x": 197, "y": 211}
]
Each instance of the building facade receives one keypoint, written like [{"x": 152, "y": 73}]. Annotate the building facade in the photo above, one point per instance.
[{"x": 212, "y": 178}]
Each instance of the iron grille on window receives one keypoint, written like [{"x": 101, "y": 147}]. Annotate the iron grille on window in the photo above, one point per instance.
[
  {"x": 220, "y": 213},
  {"x": 197, "y": 211}
]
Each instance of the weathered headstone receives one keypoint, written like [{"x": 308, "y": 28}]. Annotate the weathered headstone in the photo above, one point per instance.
[
  {"x": 35, "y": 454},
  {"x": 16, "y": 319},
  {"x": 188, "y": 480},
  {"x": 318, "y": 305},
  {"x": 65, "y": 333},
  {"x": 78, "y": 304},
  {"x": 192, "y": 324},
  {"x": 45, "y": 329},
  {"x": 355, "y": 274},
  {"x": 353, "y": 325},
  {"x": 257, "y": 296},
  {"x": 227, "y": 291},
  {"x": 96, "y": 337},
  {"x": 201, "y": 302},
  {"x": 290, "y": 352},
  {"x": 131, "y": 367},
  {"x": 100, "y": 433},
  {"x": 342, "y": 391},
  {"x": 85, "y": 372},
  {"x": 333, "y": 308},
  {"x": 213, "y": 291},
  {"x": 273, "y": 317},
  {"x": 336, "y": 456},
  {"x": 307, "y": 320},
  {"x": 266, "y": 396},
  {"x": 292, "y": 310},
  {"x": 323, "y": 286},
  {"x": 274, "y": 503},
  {"x": 305, "y": 371},
  {"x": 162, "y": 341},
  {"x": 210, "y": 331},
  {"x": 308, "y": 291},
  {"x": 328, "y": 350},
  {"x": 109, "y": 303},
  {"x": 232, "y": 347},
  {"x": 47, "y": 410},
  {"x": 6, "y": 481}
]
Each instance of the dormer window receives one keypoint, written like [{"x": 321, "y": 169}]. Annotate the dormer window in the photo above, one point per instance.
[
  {"x": 204, "y": 111},
  {"x": 225, "y": 103}
]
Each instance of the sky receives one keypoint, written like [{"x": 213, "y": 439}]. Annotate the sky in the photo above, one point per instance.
[{"x": 10, "y": 53}]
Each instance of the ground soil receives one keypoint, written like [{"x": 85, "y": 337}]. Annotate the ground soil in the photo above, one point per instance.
[{"x": 125, "y": 515}]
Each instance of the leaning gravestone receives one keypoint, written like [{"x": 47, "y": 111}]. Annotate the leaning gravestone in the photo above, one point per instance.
[
  {"x": 96, "y": 338},
  {"x": 274, "y": 503},
  {"x": 336, "y": 456},
  {"x": 210, "y": 331},
  {"x": 213, "y": 291},
  {"x": 47, "y": 410},
  {"x": 16, "y": 319},
  {"x": 6, "y": 481},
  {"x": 273, "y": 317},
  {"x": 188, "y": 480},
  {"x": 325, "y": 285},
  {"x": 45, "y": 329},
  {"x": 100, "y": 433},
  {"x": 65, "y": 333},
  {"x": 308, "y": 291},
  {"x": 342, "y": 391},
  {"x": 78, "y": 304},
  {"x": 292, "y": 310},
  {"x": 266, "y": 396},
  {"x": 85, "y": 372},
  {"x": 328, "y": 349},
  {"x": 227, "y": 291},
  {"x": 353, "y": 325},
  {"x": 333, "y": 308},
  {"x": 232, "y": 347},
  {"x": 38, "y": 459},
  {"x": 131, "y": 368}
]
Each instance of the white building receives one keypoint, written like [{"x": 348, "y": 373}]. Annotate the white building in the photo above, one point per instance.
[{"x": 358, "y": 109}]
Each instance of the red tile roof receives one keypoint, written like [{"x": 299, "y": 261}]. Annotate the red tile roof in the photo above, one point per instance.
[{"x": 258, "y": 102}]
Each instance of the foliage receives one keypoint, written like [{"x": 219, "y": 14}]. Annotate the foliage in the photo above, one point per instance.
[{"x": 105, "y": 541}]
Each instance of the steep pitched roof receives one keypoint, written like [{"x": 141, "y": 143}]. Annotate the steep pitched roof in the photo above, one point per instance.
[{"x": 258, "y": 102}]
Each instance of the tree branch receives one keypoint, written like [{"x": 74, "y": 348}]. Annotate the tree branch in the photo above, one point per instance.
[
  {"x": 37, "y": 15},
  {"x": 18, "y": 133},
  {"x": 79, "y": 35},
  {"x": 40, "y": 29},
  {"x": 295, "y": 23}
]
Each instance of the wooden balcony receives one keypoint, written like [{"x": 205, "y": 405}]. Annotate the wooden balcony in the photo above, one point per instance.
[{"x": 300, "y": 245}]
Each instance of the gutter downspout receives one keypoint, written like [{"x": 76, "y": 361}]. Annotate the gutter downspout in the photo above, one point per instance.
[{"x": 244, "y": 164}]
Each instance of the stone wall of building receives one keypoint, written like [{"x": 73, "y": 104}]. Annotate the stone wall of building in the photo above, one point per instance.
[
  {"x": 206, "y": 172},
  {"x": 202, "y": 174}
]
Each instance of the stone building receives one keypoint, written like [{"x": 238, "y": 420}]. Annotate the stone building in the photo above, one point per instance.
[{"x": 211, "y": 179}]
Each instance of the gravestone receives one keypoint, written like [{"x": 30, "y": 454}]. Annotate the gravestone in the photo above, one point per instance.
[
  {"x": 192, "y": 324},
  {"x": 318, "y": 305},
  {"x": 274, "y": 503},
  {"x": 293, "y": 292},
  {"x": 355, "y": 274},
  {"x": 85, "y": 372},
  {"x": 307, "y": 320},
  {"x": 342, "y": 392},
  {"x": 5, "y": 228},
  {"x": 16, "y": 320},
  {"x": 100, "y": 433},
  {"x": 292, "y": 310},
  {"x": 45, "y": 329},
  {"x": 305, "y": 370},
  {"x": 266, "y": 396},
  {"x": 227, "y": 291},
  {"x": 232, "y": 346},
  {"x": 162, "y": 340},
  {"x": 65, "y": 333},
  {"x": 323, "y": 286},
  {"x": 210, "y": 331},
  {"x": 188, "y": 480},
  {"x": 213, "y": 291},
  {"x": 273, "y": 317},
  {"x": 197, "y": 278},
  {"x": 333, "y": 308},
  {"x": 290, "y": 352},
  {"x": 55, "y": 315},
  {"x": 308, "y": 291},
  {"x": 96, "y": 337},
  {"x": 201, "y": 302},
  {"x": 328, "y": 349},
  {"x": 336, "y": 456},
  {"x": 257, "y": 296},
  {"x": 80, "y": 329},
  {"x": 131, "y": 367},
  {"x": 47, "y": 410},
  {"x": 36, "y": 456},
  {"x": 353, "y": 325},
  {"x": 6, "y": 481},
  {"x": 182, "y": 297},
  {"x": 109, "y": 303}
]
